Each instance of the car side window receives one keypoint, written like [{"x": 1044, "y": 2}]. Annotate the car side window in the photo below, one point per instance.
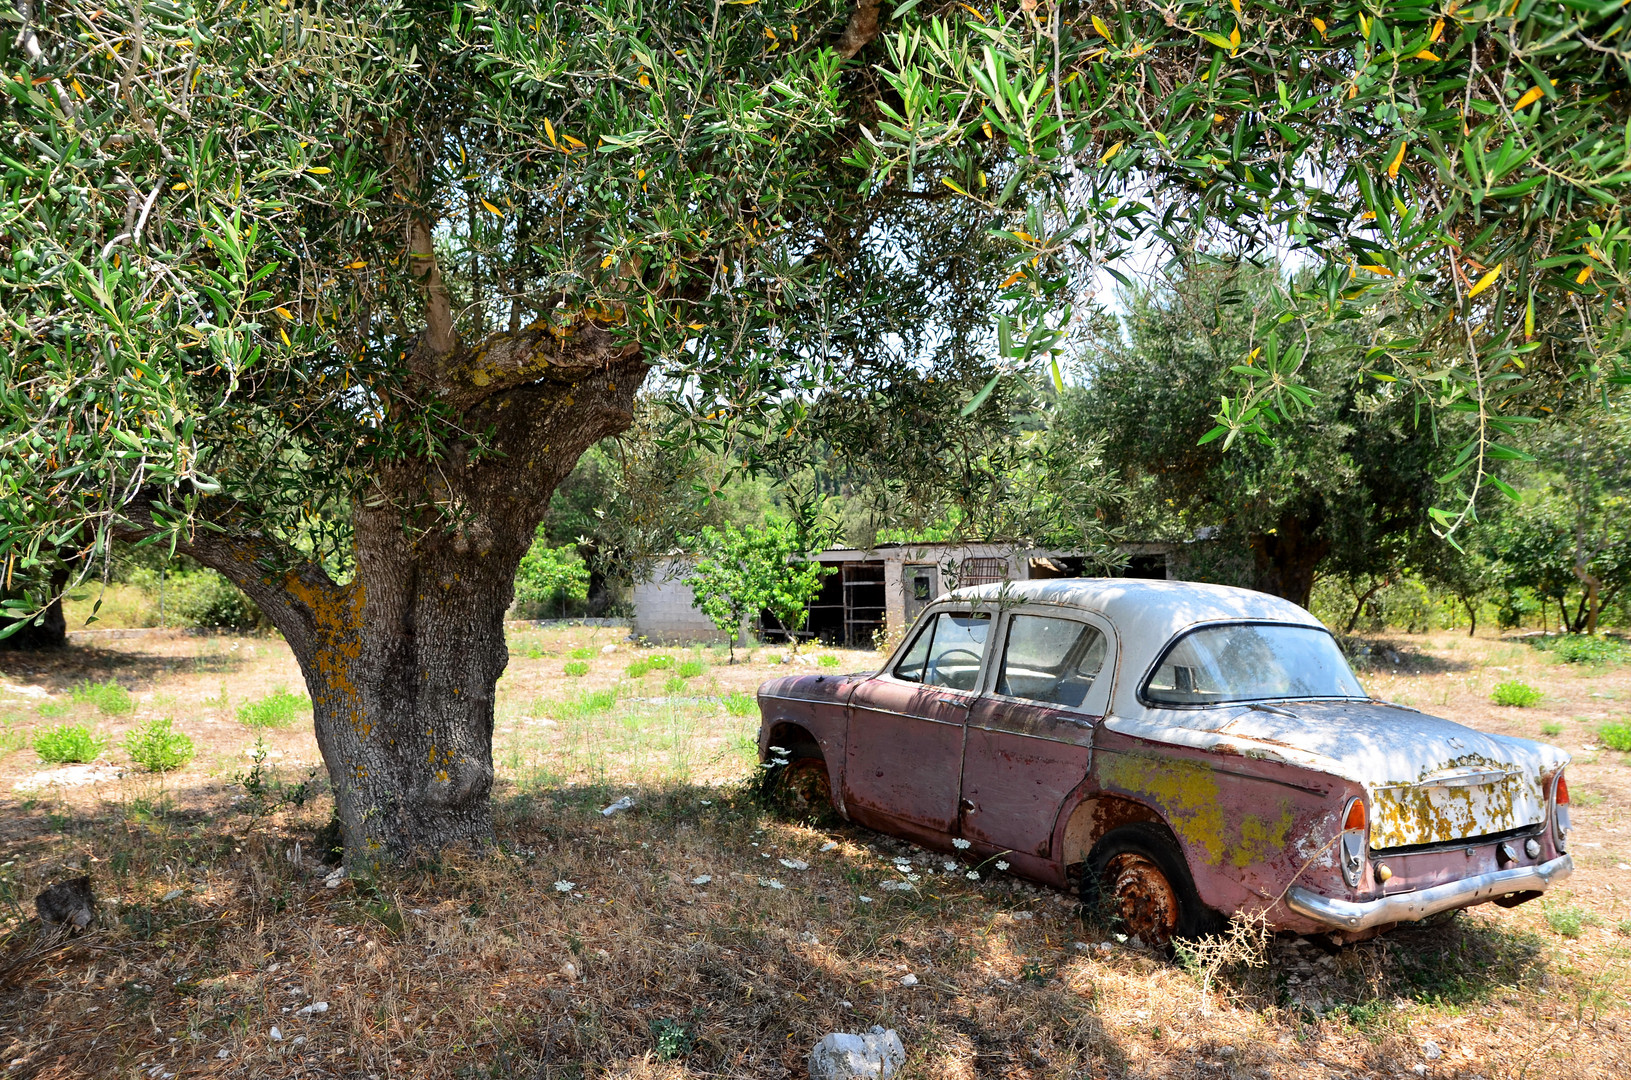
[
  {"x": 1050, "y": 660},
  {"x": 947, "y": 651}
]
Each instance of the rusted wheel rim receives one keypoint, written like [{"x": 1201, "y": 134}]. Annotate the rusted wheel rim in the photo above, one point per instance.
[
  {"x": 1144, "y": 898},
  {"x": 805, "y": 788}
]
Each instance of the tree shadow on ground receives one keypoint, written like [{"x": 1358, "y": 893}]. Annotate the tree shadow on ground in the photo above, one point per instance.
[
  {"x": 59, "y": 670},
  {"x": 1399, "y": 657}
]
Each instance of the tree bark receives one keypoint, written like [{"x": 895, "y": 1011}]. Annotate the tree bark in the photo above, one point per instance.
[
  {"x": 1285, "y": 560},
  {"x": 48, "y": 630}
]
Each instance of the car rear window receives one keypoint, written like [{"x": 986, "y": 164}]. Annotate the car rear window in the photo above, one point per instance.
[
  {"x": 1050, "y": 660},
  {"x": 1251, "y": 662}
]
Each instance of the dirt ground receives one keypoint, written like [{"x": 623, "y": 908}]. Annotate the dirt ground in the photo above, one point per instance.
[{"x": 696, "y": 934}]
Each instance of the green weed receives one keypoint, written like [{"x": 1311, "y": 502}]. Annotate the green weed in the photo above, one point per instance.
[
  {"x": 1615, "y": 736},
  {"x": 1517, "y": 695},
  {"x": 827, "y": 660},
  {"x": 585, "y": 705},
  {"x": 1569, "y": 920},
  {"x": 662, "y": 662},
  {"x": 68, "y": 743},
  {"x": 1584, "y": 649},
  {"x": 740, "y": 704},
  {"x": 12, "y": 738},
  {"x": 157, "y": 747},
  {"x": 576, "y": 668},
  {"x": 639, "y": 668},
  {"x": 1552, "y": 729},
  {"x": 109, "y": 697},
  {"x": 690, "y": 669},
  {"x": 276, "y": 710},
  {"x": 583, "y": 652},
  {"x": 675, "y": 685}
]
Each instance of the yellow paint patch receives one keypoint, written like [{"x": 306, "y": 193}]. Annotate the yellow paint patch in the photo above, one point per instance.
[{"x": 1184, "y": 792}]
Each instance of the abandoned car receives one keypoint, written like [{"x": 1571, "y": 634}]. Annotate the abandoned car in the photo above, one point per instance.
[{"x": 1178, "y": 752}]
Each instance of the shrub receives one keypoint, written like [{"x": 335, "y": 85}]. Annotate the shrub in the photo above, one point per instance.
[
  {"x": 576, "y": 668},
  {"x": 740, "y": 704},
  {"x": 1583, "y": 648},
  {"x": 690, "y": 669},
  {"x": 828, "y": 660},
  {"x": 275, "y": 710},
  {"x": 68, "y": 743},
  {"x": 1615, "y": 736},
  {"x": 674, "y": 685},
  {"x": 109, "y": 697},
  {"x": 200, "y": 598},
  {"x": 639, "y": 668},
  {"x": 157, "y": 747},
  {"x": 662, "y": 662},
  {"x": 551, "y": 581},
  {"x": 1517, "y": 695},
  {"x": 583, "y": 652}
]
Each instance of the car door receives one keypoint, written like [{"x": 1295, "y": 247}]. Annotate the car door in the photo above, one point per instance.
[
  {"x": 1029, "y": 742},
  {"x": 904, "y": 755}
]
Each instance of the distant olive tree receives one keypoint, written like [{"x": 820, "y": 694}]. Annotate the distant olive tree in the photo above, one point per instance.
[{"x": 741, "y": 572}]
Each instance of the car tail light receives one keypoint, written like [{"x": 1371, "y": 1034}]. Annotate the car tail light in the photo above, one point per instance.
[
  {"x": 1355, "y": 838},
  {"x": 1560, "y": 812}
]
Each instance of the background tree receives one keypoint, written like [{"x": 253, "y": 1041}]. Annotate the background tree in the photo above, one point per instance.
[
  {"x": 742, "y": 572},
  {"x": 1344, "y": 484}
]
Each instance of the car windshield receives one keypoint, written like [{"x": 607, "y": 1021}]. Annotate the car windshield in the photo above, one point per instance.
[{"x": 1251, "y": 662}]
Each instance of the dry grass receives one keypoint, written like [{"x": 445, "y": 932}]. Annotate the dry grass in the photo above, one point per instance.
[{"x": 481, "y": 966}]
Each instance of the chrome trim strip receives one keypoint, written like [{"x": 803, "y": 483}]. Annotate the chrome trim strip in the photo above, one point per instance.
[{"x": 1411, "y": 906}]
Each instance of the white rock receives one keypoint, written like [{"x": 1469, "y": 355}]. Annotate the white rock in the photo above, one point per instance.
[
  {"x": 300, "y": 1040},
  {"x": 316, "y": 1008},
  {"x": 794, "y": 864},
  {"x": 843, "y": 1056},
  {"x": 1430, "y": 1050},
  {"x": 69, "y": 776},
  {"x": 607, "y": 650},
  {"x": 908, "y": 979},
  {"x": 830, "y": 845},
  {"x": 222, "y": 1055},
  {"x": 702, "y": 879},
  {"x": 171, "y": 895},
  {"x": 275, "y": 1035},
  {"x": 625, "y": 803},
  {"x": 334, "y": 879}
]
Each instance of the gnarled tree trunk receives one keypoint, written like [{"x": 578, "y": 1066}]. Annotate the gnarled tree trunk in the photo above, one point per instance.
[
  {"x": 402, "y": 661},
  {"x": 1286, "y": 559}
]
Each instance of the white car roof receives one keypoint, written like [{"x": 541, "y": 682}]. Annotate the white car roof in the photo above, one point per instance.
[{"x": 1146, "y": 613}]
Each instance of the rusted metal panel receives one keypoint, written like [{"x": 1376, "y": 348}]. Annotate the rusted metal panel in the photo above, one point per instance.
[
  {"x": 904, "y": 754},
  {"x": 1020, "y": 763}
]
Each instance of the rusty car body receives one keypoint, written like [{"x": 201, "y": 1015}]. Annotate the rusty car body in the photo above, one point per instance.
[{"x": 1179, "y": 751}]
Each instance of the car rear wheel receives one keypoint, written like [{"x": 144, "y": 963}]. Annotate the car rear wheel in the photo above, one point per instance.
[
  {"x": 1137, "y": 877},
  {"x": 802, "y": 789}
]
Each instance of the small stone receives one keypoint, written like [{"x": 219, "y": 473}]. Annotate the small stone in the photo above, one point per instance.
[
  {"x": 299, "y": 1040},
  {"x": 1430, "y": 1050},
  {"x": 275, "y": 1035},
  {"x": 222, "y": 1055},
  {"x": 333, "y": 880},
  {"x": 607, "y": 650},
  {"x": 171, "y": 895},
  {"x": 794, "y": 864},
  {"x": 316, "y": 1008},
  {"x": 625, "y": 803},
  {"x": 908, "y": 979},
  {"x": 702, "y": 879},
  {"x": 830, "y": 845},
  {"x": 843, "y": 1056}
]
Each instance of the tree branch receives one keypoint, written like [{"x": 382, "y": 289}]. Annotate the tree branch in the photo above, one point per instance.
[
  {"x": 440, "y": 337},
  {"x": 505, "y": 361},
  {"x": 862, "y": 29}
]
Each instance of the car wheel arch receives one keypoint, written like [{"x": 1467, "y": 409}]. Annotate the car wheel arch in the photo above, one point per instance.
[
  {"x": 1092, "y": 819},
  {"x": 797, "y": 740}
]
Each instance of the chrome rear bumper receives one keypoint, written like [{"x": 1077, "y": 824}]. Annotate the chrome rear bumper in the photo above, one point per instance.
[{"x": 1410, "y": 906}]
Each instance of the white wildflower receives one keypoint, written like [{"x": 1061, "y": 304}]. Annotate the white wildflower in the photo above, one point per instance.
[
  {"x": 771, "y": 883},
  {"x": 864, "y": 899},
  {"x": 949, "y": 865},
  {"x": 565, "y": 886},
  {"x": 960, "y": 844},
  {"x": 913, "y": 877},
  {"x": 973, "y": 875},
  {"x": 1001, "y": 865}
]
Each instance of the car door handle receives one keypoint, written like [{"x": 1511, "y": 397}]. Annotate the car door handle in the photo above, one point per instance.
[{"x": 959, "y": 702}]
